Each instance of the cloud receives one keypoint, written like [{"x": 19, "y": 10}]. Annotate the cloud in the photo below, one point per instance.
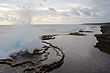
[
  {"x": 7, "y": 18},
  {"x": 75, "y": 11},
  {"x": 83, "y": 11},
  {"x": 70, "y": 11},
  {"x": 52, "y": 9},
  {"x": 103, "y": 10},
  {"x": 41, "y": 5},
  {"x": 86, "y": 11}
]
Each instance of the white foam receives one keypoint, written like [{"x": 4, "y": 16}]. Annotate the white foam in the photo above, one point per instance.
[
  {"x": 21, "y": 37},
  {"x": 18, "y": 39}
]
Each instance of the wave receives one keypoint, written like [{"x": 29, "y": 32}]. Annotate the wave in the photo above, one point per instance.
[{"x": 20, "y": 38}]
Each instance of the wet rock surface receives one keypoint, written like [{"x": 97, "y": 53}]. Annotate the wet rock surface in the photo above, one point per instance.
[
  {"x": 47, "y": 37},
  {"x": 104, "y": 39},
  {"x": 77, "y": 34},
  {"x": 25, "y": 62},
  {"x": 86, "y": 31}
]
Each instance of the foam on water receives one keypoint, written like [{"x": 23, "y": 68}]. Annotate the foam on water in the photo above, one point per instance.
[{"x": 19, "y": 39}]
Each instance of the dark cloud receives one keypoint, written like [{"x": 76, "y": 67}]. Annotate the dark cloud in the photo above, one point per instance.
[
  {"x": 86, "y": 11},
  {"x": 41, "y": 5},
  {"x": 52, "y": 9},
  {"x": 55, "y": 13}
]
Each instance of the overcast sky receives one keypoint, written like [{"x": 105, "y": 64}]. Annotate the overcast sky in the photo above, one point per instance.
[{"x": 54, "y": 11}]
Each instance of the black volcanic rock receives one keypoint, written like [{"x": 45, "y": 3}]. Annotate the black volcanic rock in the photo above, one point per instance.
[
  {"x": 47, "y": 37},
  {"x": 104, "y": 39},
  {"x": 105, "y": 28},
  {"x": 77, "y": 34}
]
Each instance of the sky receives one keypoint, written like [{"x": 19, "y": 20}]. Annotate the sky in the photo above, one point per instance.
[{"x": 54, "y": 11}]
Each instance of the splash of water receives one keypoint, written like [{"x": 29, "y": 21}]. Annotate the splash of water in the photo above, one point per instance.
[
  {"x": 21, "y": 37},
  {"x": 25, "y": 14}
]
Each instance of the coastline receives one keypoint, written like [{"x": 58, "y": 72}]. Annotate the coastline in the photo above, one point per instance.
[
  {"x": 79, "y": 50},
  {"x": 104, "y": 39}
]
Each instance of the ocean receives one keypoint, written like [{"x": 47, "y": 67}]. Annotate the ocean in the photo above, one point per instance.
[{"x": 80, "y": 54}]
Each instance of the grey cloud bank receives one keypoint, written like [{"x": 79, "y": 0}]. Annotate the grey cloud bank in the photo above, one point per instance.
[{"x": 62, "y": 11}]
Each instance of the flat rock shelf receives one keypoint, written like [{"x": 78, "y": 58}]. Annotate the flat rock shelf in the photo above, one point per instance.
[{"x": 34, "y": 65}]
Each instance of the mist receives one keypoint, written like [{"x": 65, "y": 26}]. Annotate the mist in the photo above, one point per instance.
[{"x": 21, "y": 36}]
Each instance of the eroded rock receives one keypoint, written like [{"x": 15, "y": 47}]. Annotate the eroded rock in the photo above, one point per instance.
[
  {"x": 47, "y": 37},
  {"x": 32, "y": 63},
  {"x": 86, "y": 31},
  {"x": 77, "y": 34},
  {"x": 104, "y": 39}
]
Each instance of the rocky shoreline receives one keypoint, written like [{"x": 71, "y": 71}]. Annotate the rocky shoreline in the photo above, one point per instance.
[
  {"x": 25, "y": 62},
  {"x": 104, "y": 39}
]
